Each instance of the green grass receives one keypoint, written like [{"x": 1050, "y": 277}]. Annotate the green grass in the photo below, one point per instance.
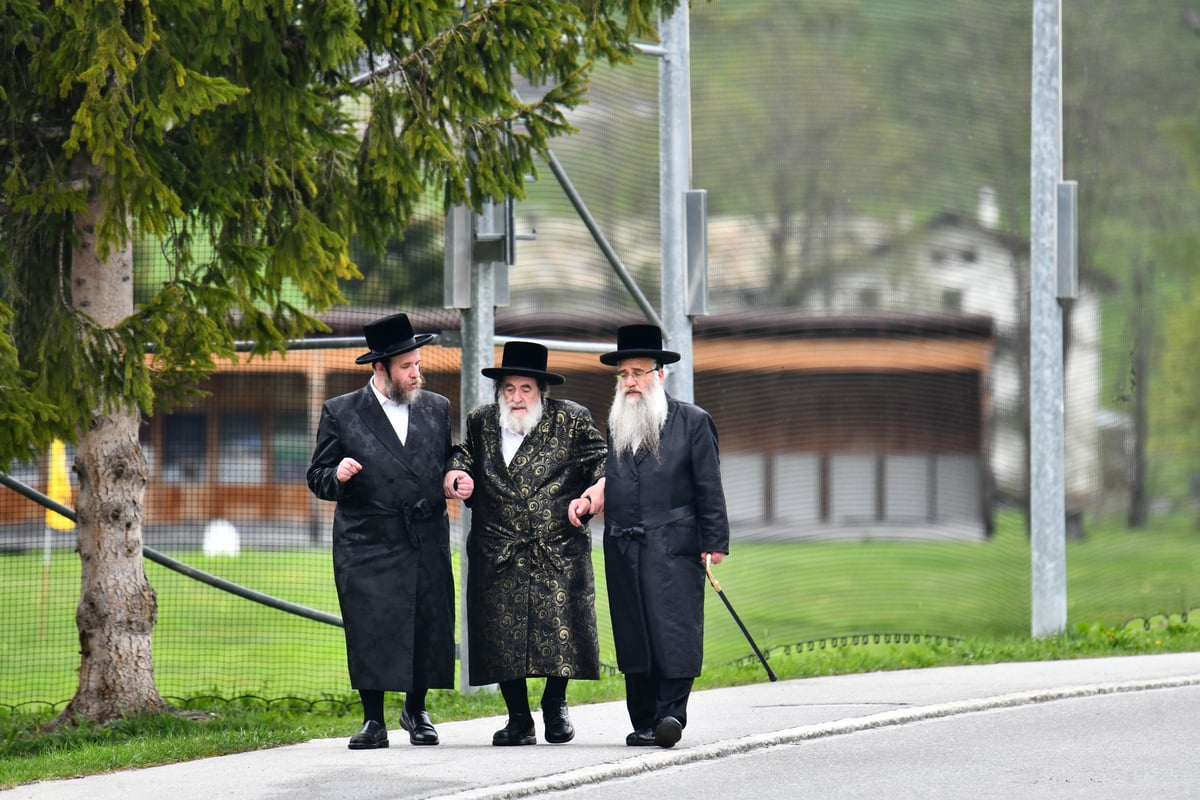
[
  {"x": 28, "y": 755},
  {"x": 814, "y": 607}
]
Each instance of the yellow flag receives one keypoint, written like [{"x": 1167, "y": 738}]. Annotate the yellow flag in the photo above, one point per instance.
[{"x": 59, "y": 489}]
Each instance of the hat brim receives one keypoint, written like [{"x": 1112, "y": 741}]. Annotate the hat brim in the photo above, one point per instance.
[
  {"x": 419, "y": 340},
  {"x": 496, "y": 373},
  {"x": 617, "y": 356}
]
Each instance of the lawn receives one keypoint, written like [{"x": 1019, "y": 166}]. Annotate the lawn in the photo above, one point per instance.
[
  {"x": 265, "y": 678},
  {"x": 211, "y": 643}
]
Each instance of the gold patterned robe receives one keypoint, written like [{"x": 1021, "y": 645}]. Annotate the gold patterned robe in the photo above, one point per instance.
[{"x": 531, "y": 596}]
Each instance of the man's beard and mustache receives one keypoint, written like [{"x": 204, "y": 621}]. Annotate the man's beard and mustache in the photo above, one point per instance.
[
  {"x": 400, "y": 394},
  {"x": 635, "y": 421},
  {"x": 520, "y": 424}
]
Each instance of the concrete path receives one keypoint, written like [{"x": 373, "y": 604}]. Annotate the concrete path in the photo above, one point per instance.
[{"x": 754, "y": 721}]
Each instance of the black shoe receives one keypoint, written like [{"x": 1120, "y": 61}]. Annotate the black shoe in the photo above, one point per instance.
[
  {"x": 667, "y": 732},
  {"x": 642, "y": 737},
  {"x": 372, "y": 736},
  {"x": 518, "y": 731},
  {"x": 420, "y": 729},
  {"x": 559, "y": 729}
]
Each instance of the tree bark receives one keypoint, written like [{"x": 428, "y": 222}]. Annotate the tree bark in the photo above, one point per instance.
[
  {"x": 117, "y": 607},
  {"x": 1143, "y": 342}
]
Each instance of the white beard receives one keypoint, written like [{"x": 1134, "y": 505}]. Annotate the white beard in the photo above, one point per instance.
[
  {"x": 636, "y": 423},
  {"x": 520, "y": 424}
]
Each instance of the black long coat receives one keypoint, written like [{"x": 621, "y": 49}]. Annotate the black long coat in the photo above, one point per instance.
[
  {"x": 531, "y": 593},
  {"x": 391, "y": 540},
  {"x": 660, "y": 514}
]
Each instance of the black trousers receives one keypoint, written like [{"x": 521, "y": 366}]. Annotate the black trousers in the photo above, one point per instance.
[{"x": 650, "y": 697}]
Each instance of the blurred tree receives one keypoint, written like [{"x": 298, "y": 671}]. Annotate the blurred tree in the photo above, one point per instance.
[
  {"x": 408, "y": 273},
  {"x": 1130, "y": 79},
  {"x": 1176, "y": 410},
  {"x": 273, "y": 131},
  {"x": 814, "y": 152}
]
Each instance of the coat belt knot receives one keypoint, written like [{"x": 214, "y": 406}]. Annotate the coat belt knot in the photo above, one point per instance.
[
  {"x": 540, "y": 551},
  {"x": 418, "y": 512},
  {"x": 626, "y": 536}
]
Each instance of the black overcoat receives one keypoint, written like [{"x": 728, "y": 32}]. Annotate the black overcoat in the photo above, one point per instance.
[
  {"x": 531, "y": 595},
  {"x": 391, "y": 540},
  {"x": 660, "y": 514}
]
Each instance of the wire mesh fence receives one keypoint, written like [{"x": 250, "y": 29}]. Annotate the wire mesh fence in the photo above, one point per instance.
[{"x": 865, "y": 358}]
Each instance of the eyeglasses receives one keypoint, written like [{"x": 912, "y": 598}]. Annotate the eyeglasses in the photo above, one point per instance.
[{"x": 636, "y": 374}]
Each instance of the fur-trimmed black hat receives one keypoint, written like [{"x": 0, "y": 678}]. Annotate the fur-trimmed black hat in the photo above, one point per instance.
[
  {"x": 639, "y": 341},
  {"x": 524, "y": 358},
  {"x": 391, "y": 336}
]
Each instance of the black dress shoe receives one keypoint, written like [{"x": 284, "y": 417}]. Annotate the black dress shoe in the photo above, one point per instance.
[
  {"x": 667, "y": 732},
  {"x": 420, "y": 729},
  {"x": 642, "y": 737},
  {"x": 559, "y": 729},
  {"x": 372, "y": 736},
  {"x": 518, "y": 731}
]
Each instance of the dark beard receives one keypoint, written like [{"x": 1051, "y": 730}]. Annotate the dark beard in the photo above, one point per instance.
[{"x": 400, "y": 395}]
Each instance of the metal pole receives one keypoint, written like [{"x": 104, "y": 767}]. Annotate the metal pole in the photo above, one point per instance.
[
  {"x": 675, "y": 174},
  {"x": 601, "y": 240},
  {"x": 1047, "y": 505},
  {"x": 478, "y": 345}
]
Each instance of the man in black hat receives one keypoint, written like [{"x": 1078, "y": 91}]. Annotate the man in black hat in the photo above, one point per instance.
[
  {"x": 530, "y": 466},
  {"x": 664, "y": 515},
  {"x": 380, "y": 455}
]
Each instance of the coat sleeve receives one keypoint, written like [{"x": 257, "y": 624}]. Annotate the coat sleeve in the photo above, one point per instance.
[
  {"x": 589, "y": 446},
  {"x": 328, "y": 453},
  {"x": 462, "y": 455},
  {"x": 709, "y": 494}
]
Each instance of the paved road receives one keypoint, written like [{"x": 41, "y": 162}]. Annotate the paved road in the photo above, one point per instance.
[
  {"x": 1129, "y": 745},
  {"x": 1095, "y": 728}
]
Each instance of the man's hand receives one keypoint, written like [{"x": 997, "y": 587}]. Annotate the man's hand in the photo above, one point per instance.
[
  {"x": 458, "y": 484},
  {"x": 717, "y": 558},
  {"x": 347, "y": 468},
  {"x": 580, "y": 510}
]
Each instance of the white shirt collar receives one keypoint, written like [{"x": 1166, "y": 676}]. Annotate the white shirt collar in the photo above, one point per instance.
[{"x": 397, "y": 413}]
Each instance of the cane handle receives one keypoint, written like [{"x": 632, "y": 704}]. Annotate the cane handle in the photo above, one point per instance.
[{"x": 708, "y": 568}]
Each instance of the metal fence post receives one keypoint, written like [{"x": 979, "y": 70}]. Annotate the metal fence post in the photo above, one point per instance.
[{"x": 1047, "y": 506}]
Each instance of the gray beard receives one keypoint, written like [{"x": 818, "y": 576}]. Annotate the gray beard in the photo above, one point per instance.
[
  {"x": 523, "y": 425},
  {"x": 636, "y": 424}
]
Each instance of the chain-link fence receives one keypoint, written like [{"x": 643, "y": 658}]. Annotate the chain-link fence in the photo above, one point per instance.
[{"x": 865, "y": 358}]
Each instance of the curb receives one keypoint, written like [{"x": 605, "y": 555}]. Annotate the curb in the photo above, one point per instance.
[{"x": 638, "y": 765}]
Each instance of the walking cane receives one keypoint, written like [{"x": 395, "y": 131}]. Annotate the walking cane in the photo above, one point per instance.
[{"x": 716, "y": 585}]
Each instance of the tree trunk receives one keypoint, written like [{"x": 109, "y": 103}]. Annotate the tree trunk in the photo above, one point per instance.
[
  {"x": 117, "y": 607},
  {"x": 1143, "y": 336}
]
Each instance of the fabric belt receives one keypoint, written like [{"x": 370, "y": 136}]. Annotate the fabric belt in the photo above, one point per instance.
[
  {"x": 539, "y": 549},
  {"x": 626, "y": 534},
  {"x": 408, "y": 514}
]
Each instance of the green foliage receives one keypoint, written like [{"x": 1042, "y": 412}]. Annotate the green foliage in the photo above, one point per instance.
[{"x": 233, "y": 132}]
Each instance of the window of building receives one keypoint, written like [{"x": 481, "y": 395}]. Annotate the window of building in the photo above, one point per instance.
[
  {"x": 184, "y": 457},
  {"x": 240, "y": 447},
  {"x": 291, "y": 447}
]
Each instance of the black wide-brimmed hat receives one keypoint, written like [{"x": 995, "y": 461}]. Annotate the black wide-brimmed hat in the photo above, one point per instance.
[
  {"x": 639, "y": 341},
  {"x": 391, "y": 336},
  {"x": 524, "y": 358}
]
